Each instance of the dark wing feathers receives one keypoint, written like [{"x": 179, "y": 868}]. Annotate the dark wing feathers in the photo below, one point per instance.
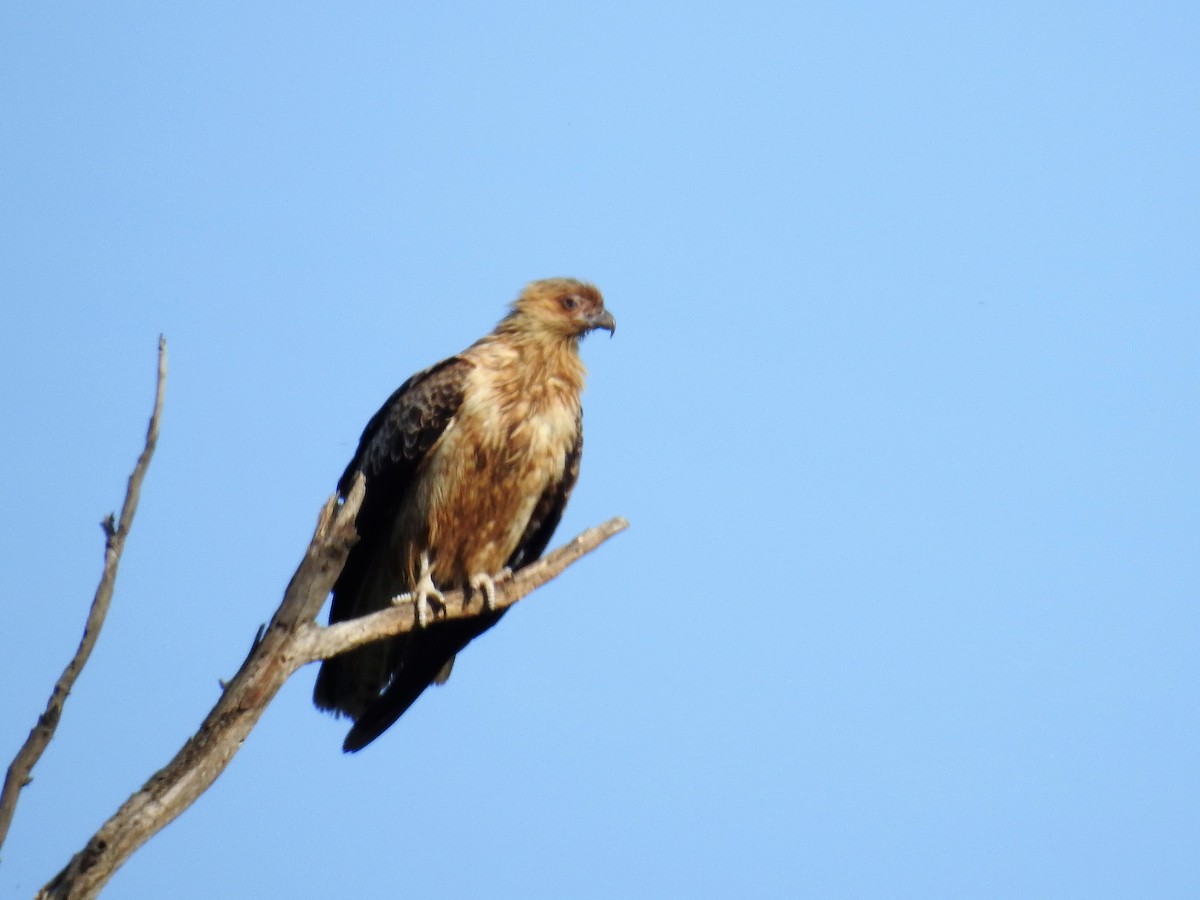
[
  {"x": 400, "y": 434},
  {"x": 389, "y": 451},
  {"x": 391, "y": 448}
]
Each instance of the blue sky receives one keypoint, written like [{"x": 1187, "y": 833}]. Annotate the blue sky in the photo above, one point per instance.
[{"x": 901, "y": 406}]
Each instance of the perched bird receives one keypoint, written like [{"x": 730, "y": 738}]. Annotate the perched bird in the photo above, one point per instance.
[{"x": 468, "y": 467}]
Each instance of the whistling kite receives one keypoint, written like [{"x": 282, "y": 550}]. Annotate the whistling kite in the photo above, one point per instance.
[{"x": 468, "y": 467}]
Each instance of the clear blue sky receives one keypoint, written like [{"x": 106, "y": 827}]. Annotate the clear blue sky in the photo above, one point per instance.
[{"x": 902, "y": 408}]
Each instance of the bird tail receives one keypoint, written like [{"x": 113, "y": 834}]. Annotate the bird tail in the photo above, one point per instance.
[{"x": 426, "y": 661}]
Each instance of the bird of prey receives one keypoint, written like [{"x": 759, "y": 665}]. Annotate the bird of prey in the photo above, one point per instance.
[{"x": 468, "y": 467}]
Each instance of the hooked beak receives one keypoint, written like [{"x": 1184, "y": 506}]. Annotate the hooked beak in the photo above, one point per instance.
[{"x": 603, "y": 319}]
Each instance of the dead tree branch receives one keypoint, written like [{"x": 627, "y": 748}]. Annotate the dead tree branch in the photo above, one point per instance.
[
  {"x": 206, "y": 754},
  {"x": 20, "y": 771},
  {"x": 290, "y": 641}
]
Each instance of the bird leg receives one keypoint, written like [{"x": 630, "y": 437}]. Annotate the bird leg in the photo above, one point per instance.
[
  {"x": 420, "y": 595},
  {"x": 482, "y": 581}
]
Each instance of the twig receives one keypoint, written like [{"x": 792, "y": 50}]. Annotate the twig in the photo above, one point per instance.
[{"x": 19, "y": 772}]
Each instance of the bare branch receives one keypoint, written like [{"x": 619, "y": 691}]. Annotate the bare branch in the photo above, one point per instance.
[
  {"x": 289, "y": 642},
  {"x": 196, "y": 766},
  {"x": 19, "y": 772},
  {"x": 314, "y": 642}
]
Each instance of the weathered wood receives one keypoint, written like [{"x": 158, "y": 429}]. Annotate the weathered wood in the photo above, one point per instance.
[
  {"x": 290, "y": 641},
  {"x": 204, "y": 757}
]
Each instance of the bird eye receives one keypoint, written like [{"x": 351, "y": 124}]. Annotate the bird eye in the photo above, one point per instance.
[{"x": 570, "y": 303}]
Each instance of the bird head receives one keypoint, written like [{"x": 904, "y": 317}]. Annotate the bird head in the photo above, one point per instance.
[{"x": 560, "y": 307}]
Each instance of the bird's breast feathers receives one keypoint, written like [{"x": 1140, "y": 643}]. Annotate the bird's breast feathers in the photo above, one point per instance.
[{"x": 506, "y": 446}]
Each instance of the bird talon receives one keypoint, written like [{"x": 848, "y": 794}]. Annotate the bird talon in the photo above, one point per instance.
[
  {"x": 420, "y": 596},
  {"x": 481, "y": 581}
]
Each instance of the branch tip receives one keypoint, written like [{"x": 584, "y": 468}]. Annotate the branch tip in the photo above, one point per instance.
[{"x": 115, "y": 530}]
